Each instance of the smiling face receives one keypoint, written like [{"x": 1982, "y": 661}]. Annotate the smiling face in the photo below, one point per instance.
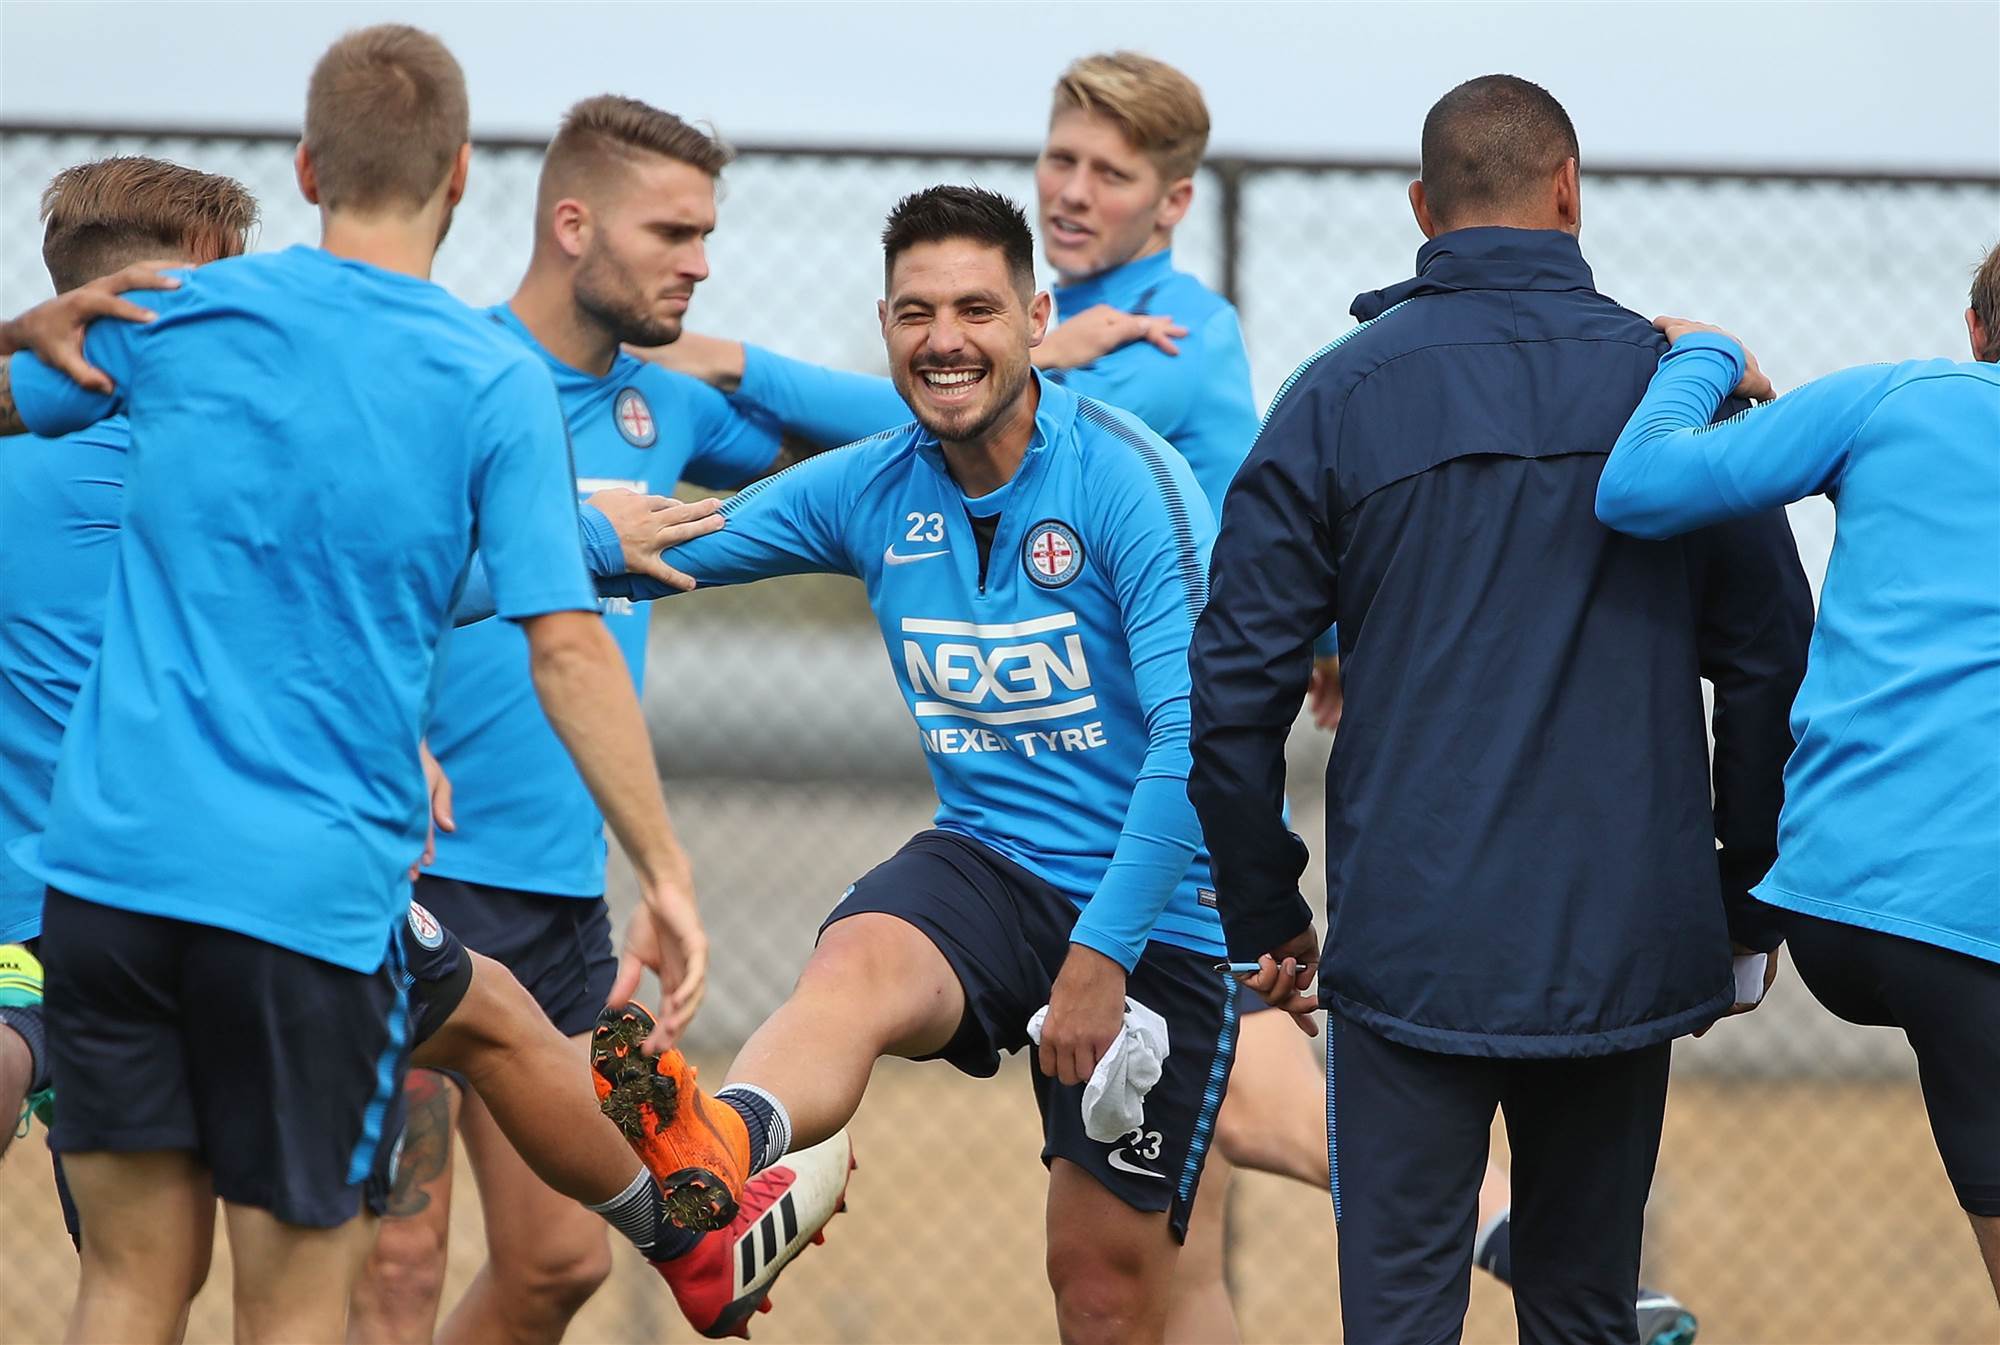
[
  {"x": 959, "y": 326},
  {"x": 646, "y": 250},
  {"x": 1102, "y": 201}
]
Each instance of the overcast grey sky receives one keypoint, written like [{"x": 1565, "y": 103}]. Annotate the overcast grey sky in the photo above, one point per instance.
[{"x": 1883, "y": 85}]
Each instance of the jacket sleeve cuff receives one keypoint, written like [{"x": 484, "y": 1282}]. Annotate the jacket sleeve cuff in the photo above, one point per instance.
[
  {"x": 1254, "y": 932},
  {"x": 1753, "y": 924}
]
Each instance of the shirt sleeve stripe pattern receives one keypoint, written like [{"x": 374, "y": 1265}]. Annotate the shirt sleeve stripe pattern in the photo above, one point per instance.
[{"x": 1194, "y": 579}]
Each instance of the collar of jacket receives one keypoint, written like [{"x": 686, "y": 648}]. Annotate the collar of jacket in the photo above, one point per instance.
[{"x": 1486, "y": 259}]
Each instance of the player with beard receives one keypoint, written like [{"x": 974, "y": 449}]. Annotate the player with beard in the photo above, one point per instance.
[
  {"x": 626, "y": 200},
  {"x": 1036, "y": 561}
]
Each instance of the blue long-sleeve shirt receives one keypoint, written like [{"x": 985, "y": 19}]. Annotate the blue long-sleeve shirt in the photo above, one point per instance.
[
  {"x": 1046, "y": 668},
  {"x": 1199, "y": 400},
  {"x": 1522, "y": 848},
  {"x": 1892, "y": 801}
]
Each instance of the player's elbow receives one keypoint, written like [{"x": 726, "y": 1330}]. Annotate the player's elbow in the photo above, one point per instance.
[
  {"x": 561, "y": 644},
  {"x": 1623, "y": 508}
]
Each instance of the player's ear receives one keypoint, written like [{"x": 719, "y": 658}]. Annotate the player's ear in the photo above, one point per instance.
[
  {"x": 1421, "y": 209},
  {"x": 1040, "y": 308},
  {"x": 1982, "y": 339},
  {"x": 1174, "y": 205},
  {"x": 569, "y": 222},
  {"x": 302, "y": 166},
  {"x": 882, "y": 316},
  {"x": 461, "y": 168},
  {"x": 1569, "y": 196}
]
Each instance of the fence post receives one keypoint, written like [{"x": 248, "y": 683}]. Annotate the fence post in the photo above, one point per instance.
[{"x": 1229, "y": 174}]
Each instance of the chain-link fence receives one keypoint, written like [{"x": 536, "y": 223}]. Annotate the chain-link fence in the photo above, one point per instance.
[{"x": 1799, "y": 1197}]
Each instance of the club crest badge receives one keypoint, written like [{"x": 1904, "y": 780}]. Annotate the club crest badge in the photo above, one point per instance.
[
  {"x": 425, "y": 927},
  {"x": 1053, "y": 554},
  {"x": 635, "y": 419}
]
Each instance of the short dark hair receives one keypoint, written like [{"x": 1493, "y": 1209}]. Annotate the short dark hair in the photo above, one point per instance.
[
  {"x": 386, "y": 114},
  {"x": 939, "y": 214},
  {"x": 98, "y": 217},
  {"x": 1490, "y": 142},
  {"x": 1986, "y": 302}
]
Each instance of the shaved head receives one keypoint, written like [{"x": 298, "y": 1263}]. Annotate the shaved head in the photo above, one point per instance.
[{"x": 1490, "y": 146}]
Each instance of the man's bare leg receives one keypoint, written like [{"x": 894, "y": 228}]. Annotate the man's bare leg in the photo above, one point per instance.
[
  {"x": 874, "y": 986},
  {"x": 148, "y": 1224},
  {"x": 545, "y": 1254},
  {"x": 1199, "y": 1311},
  {"x": 292, "y": 1284},
  {"x": 525, "y": 1073},
  {"x": 539, "y": 1143},
  {"x": 17, "y": 1065},
  {"x": 396, "y": 1300},
  {"x": 1273, "y": 1119},
  {"x": 1987, "y": 1230},
  {"x": 1111, "y": 1266}
]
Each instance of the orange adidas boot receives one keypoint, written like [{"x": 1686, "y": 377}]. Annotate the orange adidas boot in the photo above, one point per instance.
[{"x": 697, "y": 1149}]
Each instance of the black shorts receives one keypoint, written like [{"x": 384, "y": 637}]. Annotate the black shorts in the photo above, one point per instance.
[
  {"x": 1947, "y": 1003},
  {"x": 435, "y": 969},
  {"x": 1006, "y": 933},
  {"x": 557, "y": 947},
  {"x": 280, "y": 1072}
]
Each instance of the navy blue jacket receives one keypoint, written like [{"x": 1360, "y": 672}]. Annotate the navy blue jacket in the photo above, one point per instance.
[{"x": 1523, "y": 857}]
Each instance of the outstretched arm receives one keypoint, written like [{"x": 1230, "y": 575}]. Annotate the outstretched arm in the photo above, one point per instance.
[{"x": 1671, "y": 471}]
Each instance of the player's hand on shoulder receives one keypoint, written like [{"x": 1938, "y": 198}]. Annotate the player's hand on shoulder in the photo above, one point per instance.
[
  {"x": 53, "y": 329},
  {"x": 1754, "y": 384},
  {"x": 1101, "y": 329},
  {"x": 649, "y": 524},
  {"x": 1284, "y": 976},
  {"x": 1086, "y": 1014},
  {"x": 714, "y": 360}
]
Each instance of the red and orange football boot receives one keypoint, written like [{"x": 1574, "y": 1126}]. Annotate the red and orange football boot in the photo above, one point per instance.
[
  {"x": 697, "y": 1149},
  {"x": 784, "y": 1209}
]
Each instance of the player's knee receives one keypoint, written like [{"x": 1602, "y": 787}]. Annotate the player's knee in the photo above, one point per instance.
[
  {"x": 558, "y": 1280},
  {"x": 406, "y": 1270},
  {"x": 1102, "y": 1292}
]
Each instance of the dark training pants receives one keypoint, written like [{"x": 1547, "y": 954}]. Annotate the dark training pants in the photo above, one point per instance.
[{"x": 1408, "y": 1131}]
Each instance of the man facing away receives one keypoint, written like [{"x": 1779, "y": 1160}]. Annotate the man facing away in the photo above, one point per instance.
[
  {"x": 1887, "y": 884},
  {"x": 626, "y": 200},
  {"x": 1526, "y": 902},
  {"x": 281, "y": 671},
  {"x": 97, "y": 218}
]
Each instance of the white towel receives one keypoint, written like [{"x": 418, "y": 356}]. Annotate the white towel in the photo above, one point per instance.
[{"x": 1114, "y": 1101}]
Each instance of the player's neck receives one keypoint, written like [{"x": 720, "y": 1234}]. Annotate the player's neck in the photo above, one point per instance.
[
  {"x": 547, "y": 307},
  {"x": 1159, "y": 241},
  {"x": 983, "y": 465},
  {"x": 402, "y": 244}
]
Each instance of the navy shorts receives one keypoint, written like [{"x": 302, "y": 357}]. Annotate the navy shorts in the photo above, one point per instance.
[
  {"x": 280, "y": 1072},
  {"x": 1005, "y": 933},
  {"x": 557, "y": 947},
  {"x": 1947, "y": 1003}
]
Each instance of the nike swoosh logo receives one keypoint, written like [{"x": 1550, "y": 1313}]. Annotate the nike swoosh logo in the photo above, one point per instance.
[
  {"x": 892, "y": 558},
  {"x": 1116, "y": 1159}
]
